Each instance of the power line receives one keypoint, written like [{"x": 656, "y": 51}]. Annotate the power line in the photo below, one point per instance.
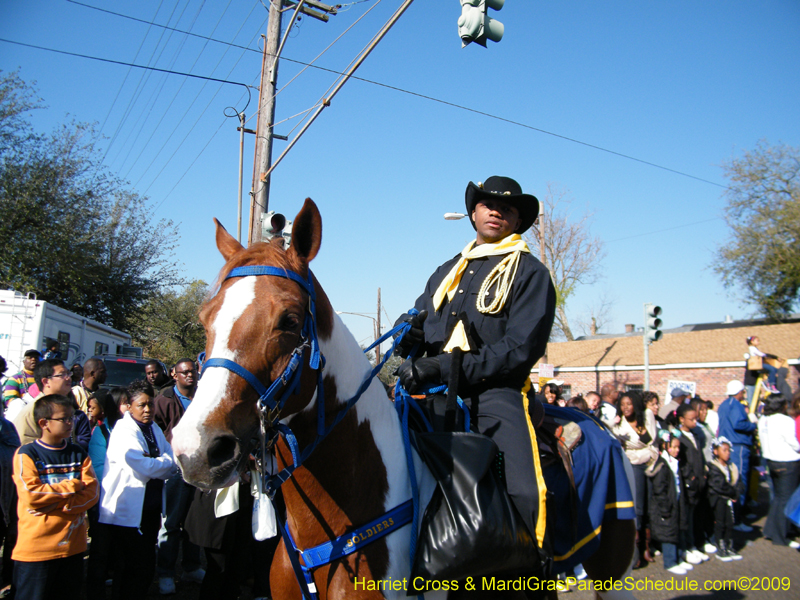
[
  {"x": 159, "y": 88},
  {"x": 122, "y": 85},
  {"x": 144, "y": 78},
  {"x": 432, "y": 99},
  {"x": 125, "y": 64},
  {"x": 169, "y": 137},
  {"x": 174, "y": 97},
  {"x": 681, "y": 226}
]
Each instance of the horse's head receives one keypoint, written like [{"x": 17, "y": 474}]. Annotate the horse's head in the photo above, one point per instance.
[{"x": 257, "y": 323}]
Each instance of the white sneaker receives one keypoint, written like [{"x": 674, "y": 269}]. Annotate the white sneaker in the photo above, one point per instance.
[
  {"x": 195, "y": 576},
  {"x": 743, "y": 527},
  {"x": 709, "y": 548},
  {"x": 692, "y": 557},
  {"x": 724, "y": 558},
  {"x": 793, "y": 544},
  {"x": 166, "y": 586},
  {"x": 686, "y": 566},
  {"x": 677, "y": 570},
  {"x": 702, "y": 555},
  {"x": 580, "y": 572}
]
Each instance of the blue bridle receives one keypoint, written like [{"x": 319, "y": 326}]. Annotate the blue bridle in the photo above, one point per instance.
[{"x": 272, "y": 399}]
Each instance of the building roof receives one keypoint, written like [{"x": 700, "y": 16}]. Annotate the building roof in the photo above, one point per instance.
[{"x": 679, "y": 347}]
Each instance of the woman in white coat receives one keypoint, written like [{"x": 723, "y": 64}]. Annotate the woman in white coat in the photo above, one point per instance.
[{"x": 138, "y": 461}]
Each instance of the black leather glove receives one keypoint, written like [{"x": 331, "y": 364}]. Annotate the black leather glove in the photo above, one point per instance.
[
  {"x": 417, "y": 373},
  {"x": 414, "y": 336}
]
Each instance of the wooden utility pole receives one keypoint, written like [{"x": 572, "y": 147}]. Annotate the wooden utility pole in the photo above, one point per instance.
[
  {"x": 266, "y": 119},
  {"x": 273, "y": 45}
]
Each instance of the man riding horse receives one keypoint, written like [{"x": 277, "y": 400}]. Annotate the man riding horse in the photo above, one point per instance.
[{"x": 507, "y": 301}]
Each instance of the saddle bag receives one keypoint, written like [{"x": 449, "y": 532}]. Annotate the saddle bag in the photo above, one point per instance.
[{"x": 470, "y": 527}]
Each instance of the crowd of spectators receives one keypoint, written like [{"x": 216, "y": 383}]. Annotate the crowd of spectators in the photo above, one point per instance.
[
  {"x": 694, "y": 467},
  {"x": 81, "y": 462}
]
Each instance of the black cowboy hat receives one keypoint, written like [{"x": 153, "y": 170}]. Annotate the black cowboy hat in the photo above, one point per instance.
[{"x": 508, "y": 191}]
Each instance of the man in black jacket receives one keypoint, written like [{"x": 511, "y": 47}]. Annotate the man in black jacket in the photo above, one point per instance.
[
  {"x": 507, "y": 300},
  {"x": 170, "y": 405}
]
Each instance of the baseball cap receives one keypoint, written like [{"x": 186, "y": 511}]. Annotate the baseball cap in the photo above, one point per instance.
[{"x": 734, "y": 387}]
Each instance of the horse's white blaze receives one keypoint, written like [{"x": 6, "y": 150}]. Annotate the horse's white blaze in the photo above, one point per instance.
[
  {"x": 348, "y": 367},
  {"x": 188, "y": 434}
]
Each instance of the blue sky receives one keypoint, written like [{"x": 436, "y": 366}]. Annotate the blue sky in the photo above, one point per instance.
[{"x": 681, "y": 84}]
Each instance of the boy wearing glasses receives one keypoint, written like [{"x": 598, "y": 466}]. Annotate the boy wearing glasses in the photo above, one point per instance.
[{"x": 56, "y": 485}]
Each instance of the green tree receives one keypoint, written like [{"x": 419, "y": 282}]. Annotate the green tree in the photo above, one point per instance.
[
  {"x": 168, "y": 327},
  {"x": 760, "y": 263},
  {"x": 71, "y": 232}
]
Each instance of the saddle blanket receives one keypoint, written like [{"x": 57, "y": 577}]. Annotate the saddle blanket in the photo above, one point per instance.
[{"x": 604, "y": 491}]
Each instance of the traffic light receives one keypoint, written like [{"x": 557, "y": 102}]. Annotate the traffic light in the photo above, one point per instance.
[
  {"x": 652, "y": 323},
  {"x": 474, "y": 25},
  {"x": 275, "y": 225}
]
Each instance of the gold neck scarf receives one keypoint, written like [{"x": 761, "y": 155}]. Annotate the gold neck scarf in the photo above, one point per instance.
[{"x": 502, "y": 274}]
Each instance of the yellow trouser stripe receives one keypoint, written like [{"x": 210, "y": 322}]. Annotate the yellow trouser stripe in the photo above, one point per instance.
[
  {"x": 627, "y": 504},
  {"x": 580, "y": 544},
  {"x": 541, "y": 519}
]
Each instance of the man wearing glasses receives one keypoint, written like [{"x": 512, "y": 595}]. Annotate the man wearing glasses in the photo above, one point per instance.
[
  {"x": 170, "y": 404},
  {"x": 52, "y": 377}
]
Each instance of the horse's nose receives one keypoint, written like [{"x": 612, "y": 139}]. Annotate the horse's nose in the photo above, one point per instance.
[{"x": 221, "y": 449}]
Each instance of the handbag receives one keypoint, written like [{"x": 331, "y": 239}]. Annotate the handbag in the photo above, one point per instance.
[{"x": 470, "y": 527}]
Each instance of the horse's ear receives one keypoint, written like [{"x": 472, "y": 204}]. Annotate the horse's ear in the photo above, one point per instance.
[
  {"x": 307, "y": 231},
  {"x": 226, "y": 243}
]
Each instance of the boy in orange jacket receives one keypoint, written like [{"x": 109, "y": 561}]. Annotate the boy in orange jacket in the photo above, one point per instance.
[{"x": 56, "y": 485}]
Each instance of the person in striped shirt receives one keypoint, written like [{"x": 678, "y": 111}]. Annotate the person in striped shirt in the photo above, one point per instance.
[
  {"x": 18, "y": 384},
  {"x": 56, "y": 485}
]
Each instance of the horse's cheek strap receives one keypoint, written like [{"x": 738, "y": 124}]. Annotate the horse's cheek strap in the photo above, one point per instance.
[{"x": 239, "y": 370}]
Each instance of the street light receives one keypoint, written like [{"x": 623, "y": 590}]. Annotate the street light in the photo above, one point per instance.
[
  {"x": 453, "y": 216},
  {"x": 376, "y": 329}
]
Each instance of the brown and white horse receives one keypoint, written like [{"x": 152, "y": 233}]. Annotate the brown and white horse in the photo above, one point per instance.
[{"x": 358, "y": 472}]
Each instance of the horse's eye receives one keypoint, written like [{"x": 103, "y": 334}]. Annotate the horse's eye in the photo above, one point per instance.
[{"x": 290, "y": 323}]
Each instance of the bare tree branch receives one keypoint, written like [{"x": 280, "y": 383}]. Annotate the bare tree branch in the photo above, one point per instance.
[{"x": 572, "y": 254}]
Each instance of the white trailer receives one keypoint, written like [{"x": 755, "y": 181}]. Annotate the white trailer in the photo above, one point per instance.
[{"x": 27, "y": 323}]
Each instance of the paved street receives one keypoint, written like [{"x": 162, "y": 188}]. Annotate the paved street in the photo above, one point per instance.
[{"x": 760, "y": 560}]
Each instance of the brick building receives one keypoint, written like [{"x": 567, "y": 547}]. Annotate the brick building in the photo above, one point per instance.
[{"x": 709, "y": 354}]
